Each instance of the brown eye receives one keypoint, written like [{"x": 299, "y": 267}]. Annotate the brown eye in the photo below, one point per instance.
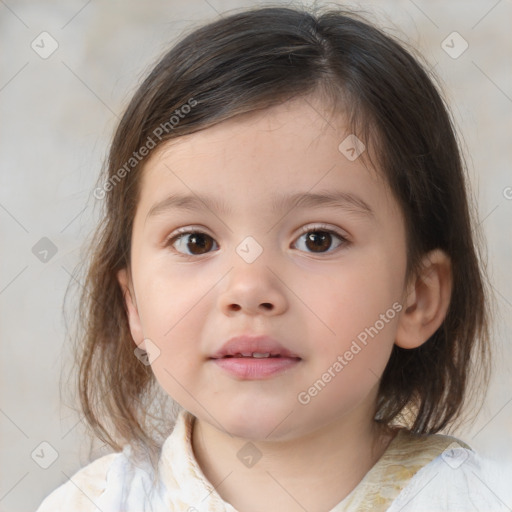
[
  {"x": 195, "y": 242},
  {"x": 320, "y": 241}
]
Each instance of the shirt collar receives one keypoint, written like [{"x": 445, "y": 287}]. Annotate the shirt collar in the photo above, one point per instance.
[
  {"x": 188, "y": 489},
  {"x": 187, "y": 486}
]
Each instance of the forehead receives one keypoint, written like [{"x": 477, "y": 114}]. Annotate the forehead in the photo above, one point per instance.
[{"x": 296, "y": 146}]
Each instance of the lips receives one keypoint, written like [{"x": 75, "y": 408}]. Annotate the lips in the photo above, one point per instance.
[
  {"x": 254, "y": 358},
  {"x": 259, "y": 347}
]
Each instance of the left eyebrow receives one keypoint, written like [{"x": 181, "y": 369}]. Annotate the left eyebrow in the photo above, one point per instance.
[{"x": 279, "y": 202}]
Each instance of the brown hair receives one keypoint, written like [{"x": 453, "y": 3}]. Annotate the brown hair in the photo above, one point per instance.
[{"x": 252, "y": 60}]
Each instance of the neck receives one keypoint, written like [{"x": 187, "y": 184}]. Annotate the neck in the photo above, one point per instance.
[{"x": 312, "y": 472}]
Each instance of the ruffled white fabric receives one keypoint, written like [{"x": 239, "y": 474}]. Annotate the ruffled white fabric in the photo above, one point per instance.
[
  {"x": 459, "y": 481},
  {"x": 420, "y": 474}
]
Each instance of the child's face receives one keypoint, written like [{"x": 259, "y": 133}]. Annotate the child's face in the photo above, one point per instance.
[{"x": 315, "y": 296}]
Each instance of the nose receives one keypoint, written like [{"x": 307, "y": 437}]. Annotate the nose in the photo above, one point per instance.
[{"x": 254, "y": 289}]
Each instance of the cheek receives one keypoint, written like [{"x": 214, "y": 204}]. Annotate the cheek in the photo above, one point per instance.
[
  {"x": 352, "y": 298},
  {"x": 359, "y": 311},
  {"x": 171, "y": 295},
  {"x": 177, "y": 334},
  {"x": 171, "y": 320}
]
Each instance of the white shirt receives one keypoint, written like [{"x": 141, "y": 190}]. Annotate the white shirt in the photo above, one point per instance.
[{"x": 416, "y": 473}]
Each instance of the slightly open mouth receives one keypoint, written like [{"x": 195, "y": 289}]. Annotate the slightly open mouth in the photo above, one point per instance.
[
  {"x": 255, "y": 365},
  {"x": 257, "y": 355}
]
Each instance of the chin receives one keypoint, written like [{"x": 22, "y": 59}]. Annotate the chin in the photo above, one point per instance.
[{"x": 257, "y": 423}]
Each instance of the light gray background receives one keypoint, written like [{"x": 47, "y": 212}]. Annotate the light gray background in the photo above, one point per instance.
[{"x": 57, "y": 118}]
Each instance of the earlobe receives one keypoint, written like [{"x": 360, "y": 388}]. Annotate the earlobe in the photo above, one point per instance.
[
  {"x": 427, "y": 301},
  {"x": 131, "y": 307}
]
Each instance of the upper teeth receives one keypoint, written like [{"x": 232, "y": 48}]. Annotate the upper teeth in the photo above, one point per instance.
[{"x": 256, "y": 354}]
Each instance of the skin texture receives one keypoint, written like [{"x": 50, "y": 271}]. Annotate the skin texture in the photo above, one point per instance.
[{"x": 314, "y": 303}]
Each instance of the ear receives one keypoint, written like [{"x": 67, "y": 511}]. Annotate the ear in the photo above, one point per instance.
[
  {"x": 427, "y": 301},
  {"x": 136, "y": 330}
]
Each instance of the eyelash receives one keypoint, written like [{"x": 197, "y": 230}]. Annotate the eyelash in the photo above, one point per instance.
[{"x": 305, "y": 229}]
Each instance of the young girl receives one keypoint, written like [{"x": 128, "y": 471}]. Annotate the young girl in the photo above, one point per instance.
[{"x": 287, "y": 252}]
